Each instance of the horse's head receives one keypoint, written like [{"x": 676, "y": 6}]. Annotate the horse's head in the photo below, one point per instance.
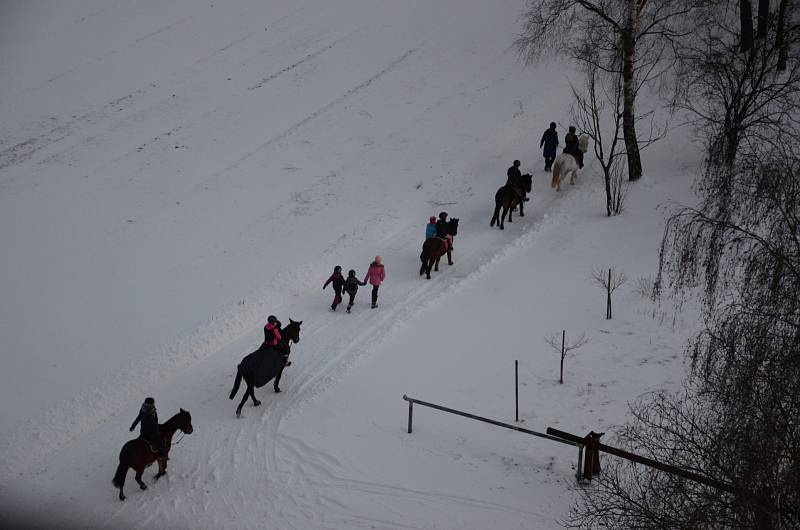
[
  {"x": 292, "y": 331},
  {"x": 527, "y": 182},
  {"x": 452, "y": 226},
  {"x": 185, "y": 421}
]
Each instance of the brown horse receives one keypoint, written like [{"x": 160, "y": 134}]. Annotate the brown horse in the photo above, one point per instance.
[
  {"x": 138, "y": 455},
  {"x": 435, "y": 247},
  {"x": 508, "y": 197},
  {"x": 260, "y": 367}
]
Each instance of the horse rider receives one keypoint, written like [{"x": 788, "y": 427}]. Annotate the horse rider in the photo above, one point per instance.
[
  {"x": 571, "y": 146},
  {"x": 549, "y": 142},
  {"x": 442, "y": 230},
  {"x": 150, "y": 432},
  {"x": 272, "y": 332},
  {"x": 430, "y": 229},
  {"x": 515, "y": 180}
]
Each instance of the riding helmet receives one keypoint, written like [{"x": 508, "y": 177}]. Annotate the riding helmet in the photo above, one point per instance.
[
  {"x": 337, "y": 268},
  {"x": 150, "y": 401},
  {"x": 442, "y": 215},
  {"x": 271, "y": 319}
]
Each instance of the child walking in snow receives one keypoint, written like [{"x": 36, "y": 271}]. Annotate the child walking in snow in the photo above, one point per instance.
[
  {"x": 338, "y": 282},
  {"x": 376, "y": 274},
  {"x": 351, "y": 287}
]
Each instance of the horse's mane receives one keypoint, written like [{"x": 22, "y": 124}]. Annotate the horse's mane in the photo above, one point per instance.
[{"x": 172, "y": 423}]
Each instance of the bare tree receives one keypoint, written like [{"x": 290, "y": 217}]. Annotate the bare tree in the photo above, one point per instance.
[
  {"x": 597, "y": 112},
  {"x": 610, "y": 282},
  {"x": 565, "y": 347},
  {"x": 740, "y": 94},
  {"x": 627, "y": 37}
]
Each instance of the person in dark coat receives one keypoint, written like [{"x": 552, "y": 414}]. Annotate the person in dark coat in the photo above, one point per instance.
[
  {"x": 148, "y": 417},
  {"x": 441, "y": 225},
  {"x": 514, "y": 174},
  {"x": 572, "y": 147},
  {"x": 550, "y": 143},
  {"x": 515, "y": 178},
  {"x": 351, "y": 287},
  {"x": 338, "y": 282}
]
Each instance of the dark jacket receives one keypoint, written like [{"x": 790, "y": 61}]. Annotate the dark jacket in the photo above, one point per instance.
[
  {"x": 549, "y": 142},
  {"x": 571, "y": 144},
  {"x": 514, "y": 175},
  {"x": 337, "y": 280},
  {"x": 441, "y": 228},
  {"x": 351, "y": 284},
  {"x": 149, "y": 420}
]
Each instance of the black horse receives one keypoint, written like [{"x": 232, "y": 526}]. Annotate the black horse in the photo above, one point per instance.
[
  {"x": 260, "y": 367},
  {"x": 508, "y": 197},
  {"x": 435, "y": 247},
  {"x": 138, "y": 455}
]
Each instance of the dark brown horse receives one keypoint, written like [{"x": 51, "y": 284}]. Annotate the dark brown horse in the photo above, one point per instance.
[
  {"x": 435, "y": 247},
  {"x": 260, "y": 367},
  {"x": 508, "y": 197},
  {"x": 138, "y": 455}
]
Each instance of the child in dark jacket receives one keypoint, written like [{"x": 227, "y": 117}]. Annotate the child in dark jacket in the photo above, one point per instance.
[
  {"x": 338, "y": 282},
  {"x": 351, "y": 287},
  {"x": 148, "y": 417}
]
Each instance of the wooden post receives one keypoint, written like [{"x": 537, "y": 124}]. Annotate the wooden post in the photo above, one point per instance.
[
  {"x": 608, "y": 300},
  {"x": 563, "y": 353},
  {"x": 516, "y": 388}
]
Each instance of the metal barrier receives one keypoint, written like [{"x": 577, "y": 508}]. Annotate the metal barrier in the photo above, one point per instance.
[{"x": 411, "y": 402}]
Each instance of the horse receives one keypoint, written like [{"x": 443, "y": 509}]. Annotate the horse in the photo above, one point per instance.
[
  {"x": 564, "y": 164},
  {"x": 138, "y": 454},
  {"x": 260, "y": 367},
  {"x": 508, "y": 197},
  {"x": 435, "y": 247}
]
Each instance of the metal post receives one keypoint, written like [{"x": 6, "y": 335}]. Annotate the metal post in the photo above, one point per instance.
[
  {"x": 516, "y": 387},
  {"x": 410, "y": 412}
]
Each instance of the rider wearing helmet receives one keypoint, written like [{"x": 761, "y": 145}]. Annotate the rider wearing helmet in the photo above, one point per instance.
[
  {"x": 430, "y": 229},
  {"x": 148, "y": 417},
  {"x": 272, "y": 333}
]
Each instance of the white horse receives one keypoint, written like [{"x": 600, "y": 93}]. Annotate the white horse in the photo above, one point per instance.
[{"x": 563, "y": 166}]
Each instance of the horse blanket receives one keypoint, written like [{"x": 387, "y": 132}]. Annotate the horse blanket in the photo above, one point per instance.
[{"x": 262, "y": 365}]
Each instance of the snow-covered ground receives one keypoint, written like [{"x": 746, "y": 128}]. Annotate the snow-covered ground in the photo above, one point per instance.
[{"x": 173, "y": 172}]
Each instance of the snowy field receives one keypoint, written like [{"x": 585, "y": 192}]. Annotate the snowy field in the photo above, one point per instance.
[{"x": 171, "y": 172}]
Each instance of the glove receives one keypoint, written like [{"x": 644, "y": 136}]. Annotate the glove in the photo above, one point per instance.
[{"x": 131, "y": 429}]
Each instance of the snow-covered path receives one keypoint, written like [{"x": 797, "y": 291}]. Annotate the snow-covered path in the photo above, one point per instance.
[{"x": 171, "y": 173}]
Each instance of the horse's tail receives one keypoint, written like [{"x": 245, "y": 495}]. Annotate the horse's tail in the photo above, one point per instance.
[
  {"x": 496, "y": 216},
  {"x": 236, "y": 383},
  {"x": 122, "y": 469}
]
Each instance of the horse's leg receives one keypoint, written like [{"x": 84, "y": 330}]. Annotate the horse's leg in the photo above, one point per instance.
[
  {"x": 522, "y": 206},
  {"x": 503, "y": 218},
  {"x": 436, "y": 263},
  {"x": 242, "y": 402},
  {"x": 510, "y": 210},
  {"x": 428, "y": 267},
  {"x": 138, "y": 477},
  {"x": 252, "y": 390},
  {"x": 449, "y": 257},
  {"x": 275, "y": 385},
  {"x": 162, "y": 468}
]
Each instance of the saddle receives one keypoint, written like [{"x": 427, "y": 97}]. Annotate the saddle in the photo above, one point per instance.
[{"x": 446, "y": 242}]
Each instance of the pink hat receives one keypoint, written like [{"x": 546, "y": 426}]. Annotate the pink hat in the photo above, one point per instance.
[{"x": 432, "y": 219}]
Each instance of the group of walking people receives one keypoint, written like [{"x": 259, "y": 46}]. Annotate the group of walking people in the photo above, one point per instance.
[{"x": 376, "y": 274}]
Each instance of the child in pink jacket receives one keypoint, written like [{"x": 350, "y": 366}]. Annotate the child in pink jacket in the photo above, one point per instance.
[{"x": 376, "y": 274}]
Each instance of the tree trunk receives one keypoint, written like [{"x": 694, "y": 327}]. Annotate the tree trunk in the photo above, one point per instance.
[
  {"x": 628, "y": 39},
  {"x": 763, "y": 18},
  {"x": 746, "y": 23},
  {"x": 780, "y": 36}
]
